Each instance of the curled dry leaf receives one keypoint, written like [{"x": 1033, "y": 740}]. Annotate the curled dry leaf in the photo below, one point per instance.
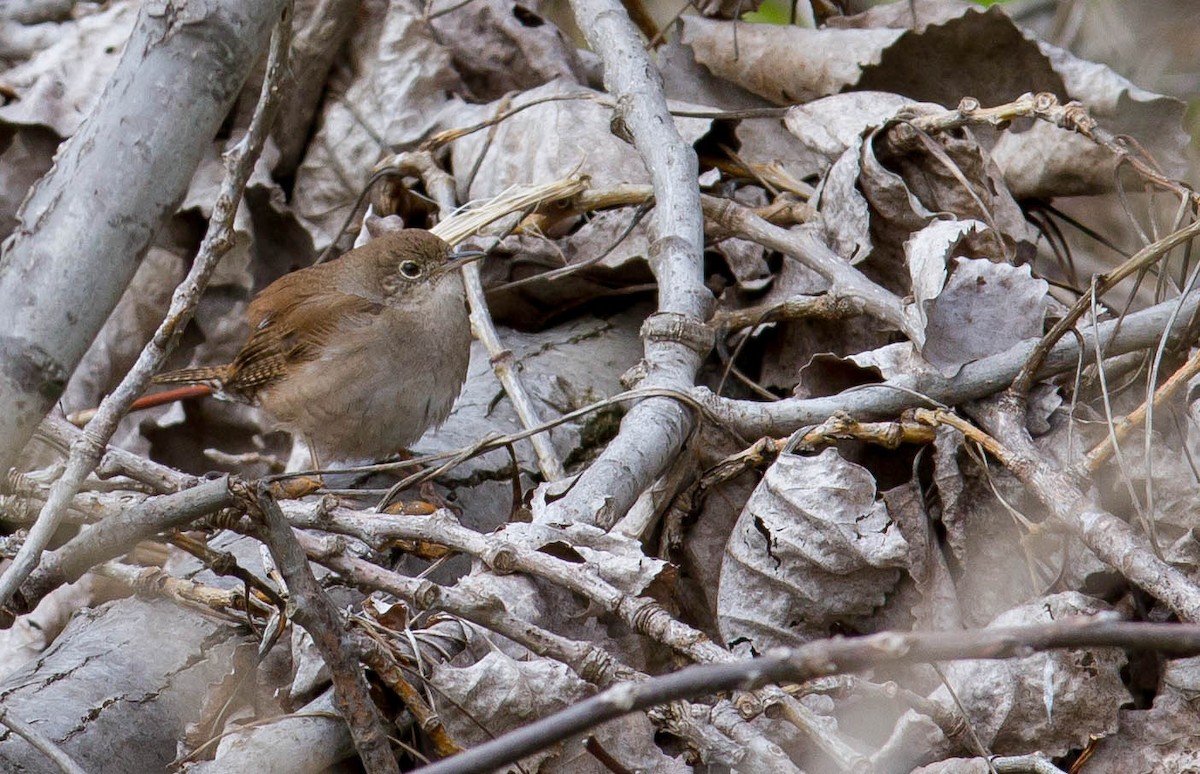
[
  {"x": 59, "y": 85},
  {"x": 1161, "y": 738},
  {"x": 54, "y": 90},
  {"x": 812, "y": 549},
  {"x": 947, "y": 174},
  {"x": 829, "y": 126},
  {"x": 877, "y": 194},
  {"x": 784, "y": 64},
  {"x": 574, "y": 135},
  {"x": 940, "y": 56},
  {"x": 985, "y": 308},
  {"x": 927, "y": 254},
  {"x": 402, "y": 79},
  {"x": 469, "y": 699},
  {"x": 319, "y": 30},
  {"x": 504, "y": 46},
  {"x": 1046, "y": 161},
  {"x": 1052, "y": 702},
  {"x": 522, "y": 256}
]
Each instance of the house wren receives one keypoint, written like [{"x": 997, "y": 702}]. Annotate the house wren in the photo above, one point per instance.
[{"x": 359, "y": 356}]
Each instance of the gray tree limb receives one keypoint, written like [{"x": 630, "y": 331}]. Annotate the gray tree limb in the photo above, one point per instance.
[
  {"x": 976, "y": 380},
  {"x": 86, "y": 225},
  {"x": 655, "y": 429}
]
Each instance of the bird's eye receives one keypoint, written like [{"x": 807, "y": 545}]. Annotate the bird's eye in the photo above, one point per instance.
[{"x": 410, "y": 269}]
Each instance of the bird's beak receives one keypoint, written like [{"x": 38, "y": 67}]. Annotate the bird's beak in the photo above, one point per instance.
[
  {"x": 459, "y": 259},
  {"x": 463, "y": 257}
]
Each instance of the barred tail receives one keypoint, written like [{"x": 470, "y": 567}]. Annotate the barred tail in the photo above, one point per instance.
[{"x": 213, "y": 376}]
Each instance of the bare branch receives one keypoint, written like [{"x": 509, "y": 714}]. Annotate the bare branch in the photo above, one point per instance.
[
  {"x": 676, "y": 340},
  {"x": 976, "y": 380},
  {"x": 118, "y": 534},
  {"x": 313, "y": 610},
  {"x": 818, "y": 659}
]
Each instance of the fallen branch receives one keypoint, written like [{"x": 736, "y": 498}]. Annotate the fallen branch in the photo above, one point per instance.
[
  {"x": 819, "y": 659},
  {"x": 311, "y": 607}
]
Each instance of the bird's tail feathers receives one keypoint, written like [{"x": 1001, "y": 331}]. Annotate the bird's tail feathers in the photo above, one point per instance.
[{"x": 213, "y": 376}]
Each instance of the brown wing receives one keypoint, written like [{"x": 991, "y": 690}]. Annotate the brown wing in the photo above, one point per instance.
[{"x": 291, "y": 325}]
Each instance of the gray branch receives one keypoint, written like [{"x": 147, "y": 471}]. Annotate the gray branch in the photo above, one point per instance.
[
  {"x": 976, "y": 380},
  {"x": 87, "y": 450},
  {"x": 86, "y": 225},
  {"x": 653, "y": 431},
  {"x": 817, "y": 659}
]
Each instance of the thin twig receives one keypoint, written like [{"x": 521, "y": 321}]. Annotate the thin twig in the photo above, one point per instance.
[
  {"x": 845, "y": 280},
  {"x": 40, "y": 743},
  {"x": 976, "y": 380},
  {"x": 441, "y": 186},
  {"x": 1140, "y": 260}
]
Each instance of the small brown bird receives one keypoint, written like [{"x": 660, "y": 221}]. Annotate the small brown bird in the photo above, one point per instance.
[{"x": 359, "y": 356}]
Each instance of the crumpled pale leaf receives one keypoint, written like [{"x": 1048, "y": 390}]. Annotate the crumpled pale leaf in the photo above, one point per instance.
[
  {"x": 830, "y": 125},
  {"x": 309, "y": 670},
  {"x": 845, "y": 214},
  {"x": 942, "y": 60},
  {"x": 950, "y": 174},
  {"x": 572, "y": 135},
  {"x": 1162, "y": 738},
  {"x": 801, "y": 355},
  {"x": 1041, "y": 161},
  {"x": 1005, "y": 700},
  {"x": 236, "y": 267},
  {"x": 469, "y": 700},
  {"x": 927, "y": 253},
  {"x": 1047, "y": 161},
  {"x": 54, "y": 90},
  {"x": 501, "y": 46},
  {"x": 31, "y": 634},
  {"x": 813, "y": 547},
  {"x": 402, "y": 79},
  {"x": 697, "y": 544},
  {"x": 784, "y": 64},
  {"x": 891, "y": 360},
  {"x": 874, "y": 197},
  {"x": 320, "y": 29},
  {"x": 985, "y": 308},
  {"x": 58, "y": 87},
  {"x": 952, "y": 50}
]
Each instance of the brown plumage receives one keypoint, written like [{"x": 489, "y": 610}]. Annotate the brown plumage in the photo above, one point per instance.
[{"x": 360, "y": 355}]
